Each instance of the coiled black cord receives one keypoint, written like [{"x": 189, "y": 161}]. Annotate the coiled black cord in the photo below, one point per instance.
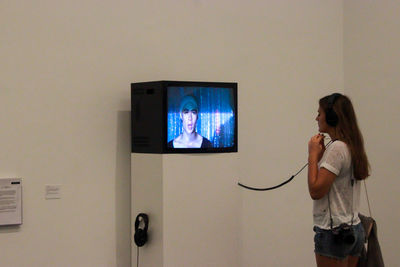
[{"x": 282, "y": 184}]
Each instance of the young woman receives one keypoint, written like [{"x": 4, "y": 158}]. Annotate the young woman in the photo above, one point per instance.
[{"x": 334, "y": 175}]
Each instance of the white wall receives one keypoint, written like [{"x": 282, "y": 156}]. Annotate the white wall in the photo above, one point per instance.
[
  {"x": 65, "y": 119},
  {"x": 298, "y": 61},
  {"x": 371, "y": 64},
  {"x": 65, "y": 71},
  {"x": 284, "y": 57}
]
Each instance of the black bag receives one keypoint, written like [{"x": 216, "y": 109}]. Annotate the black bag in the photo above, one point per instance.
[{"x": 371, "y": 255}]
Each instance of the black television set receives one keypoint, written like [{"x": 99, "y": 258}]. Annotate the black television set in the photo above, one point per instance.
[{"x": 184, "y": 117}]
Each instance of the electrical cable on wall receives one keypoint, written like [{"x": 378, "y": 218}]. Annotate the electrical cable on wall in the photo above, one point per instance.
[{"x": 137, "y": 257}]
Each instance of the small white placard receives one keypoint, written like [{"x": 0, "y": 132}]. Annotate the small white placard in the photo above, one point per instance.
[
  {"x": 53, "y": 191},
  {"x": 10, "y": 201}
]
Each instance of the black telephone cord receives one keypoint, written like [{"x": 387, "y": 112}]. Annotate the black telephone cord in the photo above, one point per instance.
[{"x": 279, "y": 185}]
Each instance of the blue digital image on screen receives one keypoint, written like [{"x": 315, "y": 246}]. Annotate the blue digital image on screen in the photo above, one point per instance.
[{"x": 215, "y": 121}]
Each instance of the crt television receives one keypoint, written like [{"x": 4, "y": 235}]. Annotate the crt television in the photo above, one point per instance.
[{"x": 184, "y": 117}]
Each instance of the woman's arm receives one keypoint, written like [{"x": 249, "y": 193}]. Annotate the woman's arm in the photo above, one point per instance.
[{"x": 319, "y": 181}]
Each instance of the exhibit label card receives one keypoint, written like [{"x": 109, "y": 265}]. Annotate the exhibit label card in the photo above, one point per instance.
[{"x": 10, "y": 201}]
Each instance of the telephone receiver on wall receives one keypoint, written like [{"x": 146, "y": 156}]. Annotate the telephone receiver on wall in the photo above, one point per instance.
[{"x": 140, "y": 236}]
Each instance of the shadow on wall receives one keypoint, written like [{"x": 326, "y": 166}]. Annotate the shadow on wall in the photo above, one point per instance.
[{"x": 10, "y": 229}]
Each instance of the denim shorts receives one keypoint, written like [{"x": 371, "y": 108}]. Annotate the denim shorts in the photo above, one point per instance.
[{"x": 326, "y": 244}]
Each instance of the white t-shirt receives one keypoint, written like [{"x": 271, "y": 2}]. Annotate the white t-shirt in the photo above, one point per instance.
[{"x": 344, "y": 198}]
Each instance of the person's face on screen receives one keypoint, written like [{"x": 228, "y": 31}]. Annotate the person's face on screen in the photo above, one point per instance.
[{"x": 189, "y": 119}]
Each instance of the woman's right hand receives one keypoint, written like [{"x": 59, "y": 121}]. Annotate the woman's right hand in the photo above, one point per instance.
[{"x": 316, "y": 147}]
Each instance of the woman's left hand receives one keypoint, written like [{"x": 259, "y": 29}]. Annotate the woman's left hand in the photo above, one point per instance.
[{"x": 316, "y": 147}]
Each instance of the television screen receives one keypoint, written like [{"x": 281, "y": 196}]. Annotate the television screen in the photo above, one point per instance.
[
  {"x": 184, "y": 117},
  {"x": 202, "y": 117}
]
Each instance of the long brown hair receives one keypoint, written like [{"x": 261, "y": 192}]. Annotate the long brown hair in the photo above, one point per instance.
[{"x": 347, "y": 130}]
